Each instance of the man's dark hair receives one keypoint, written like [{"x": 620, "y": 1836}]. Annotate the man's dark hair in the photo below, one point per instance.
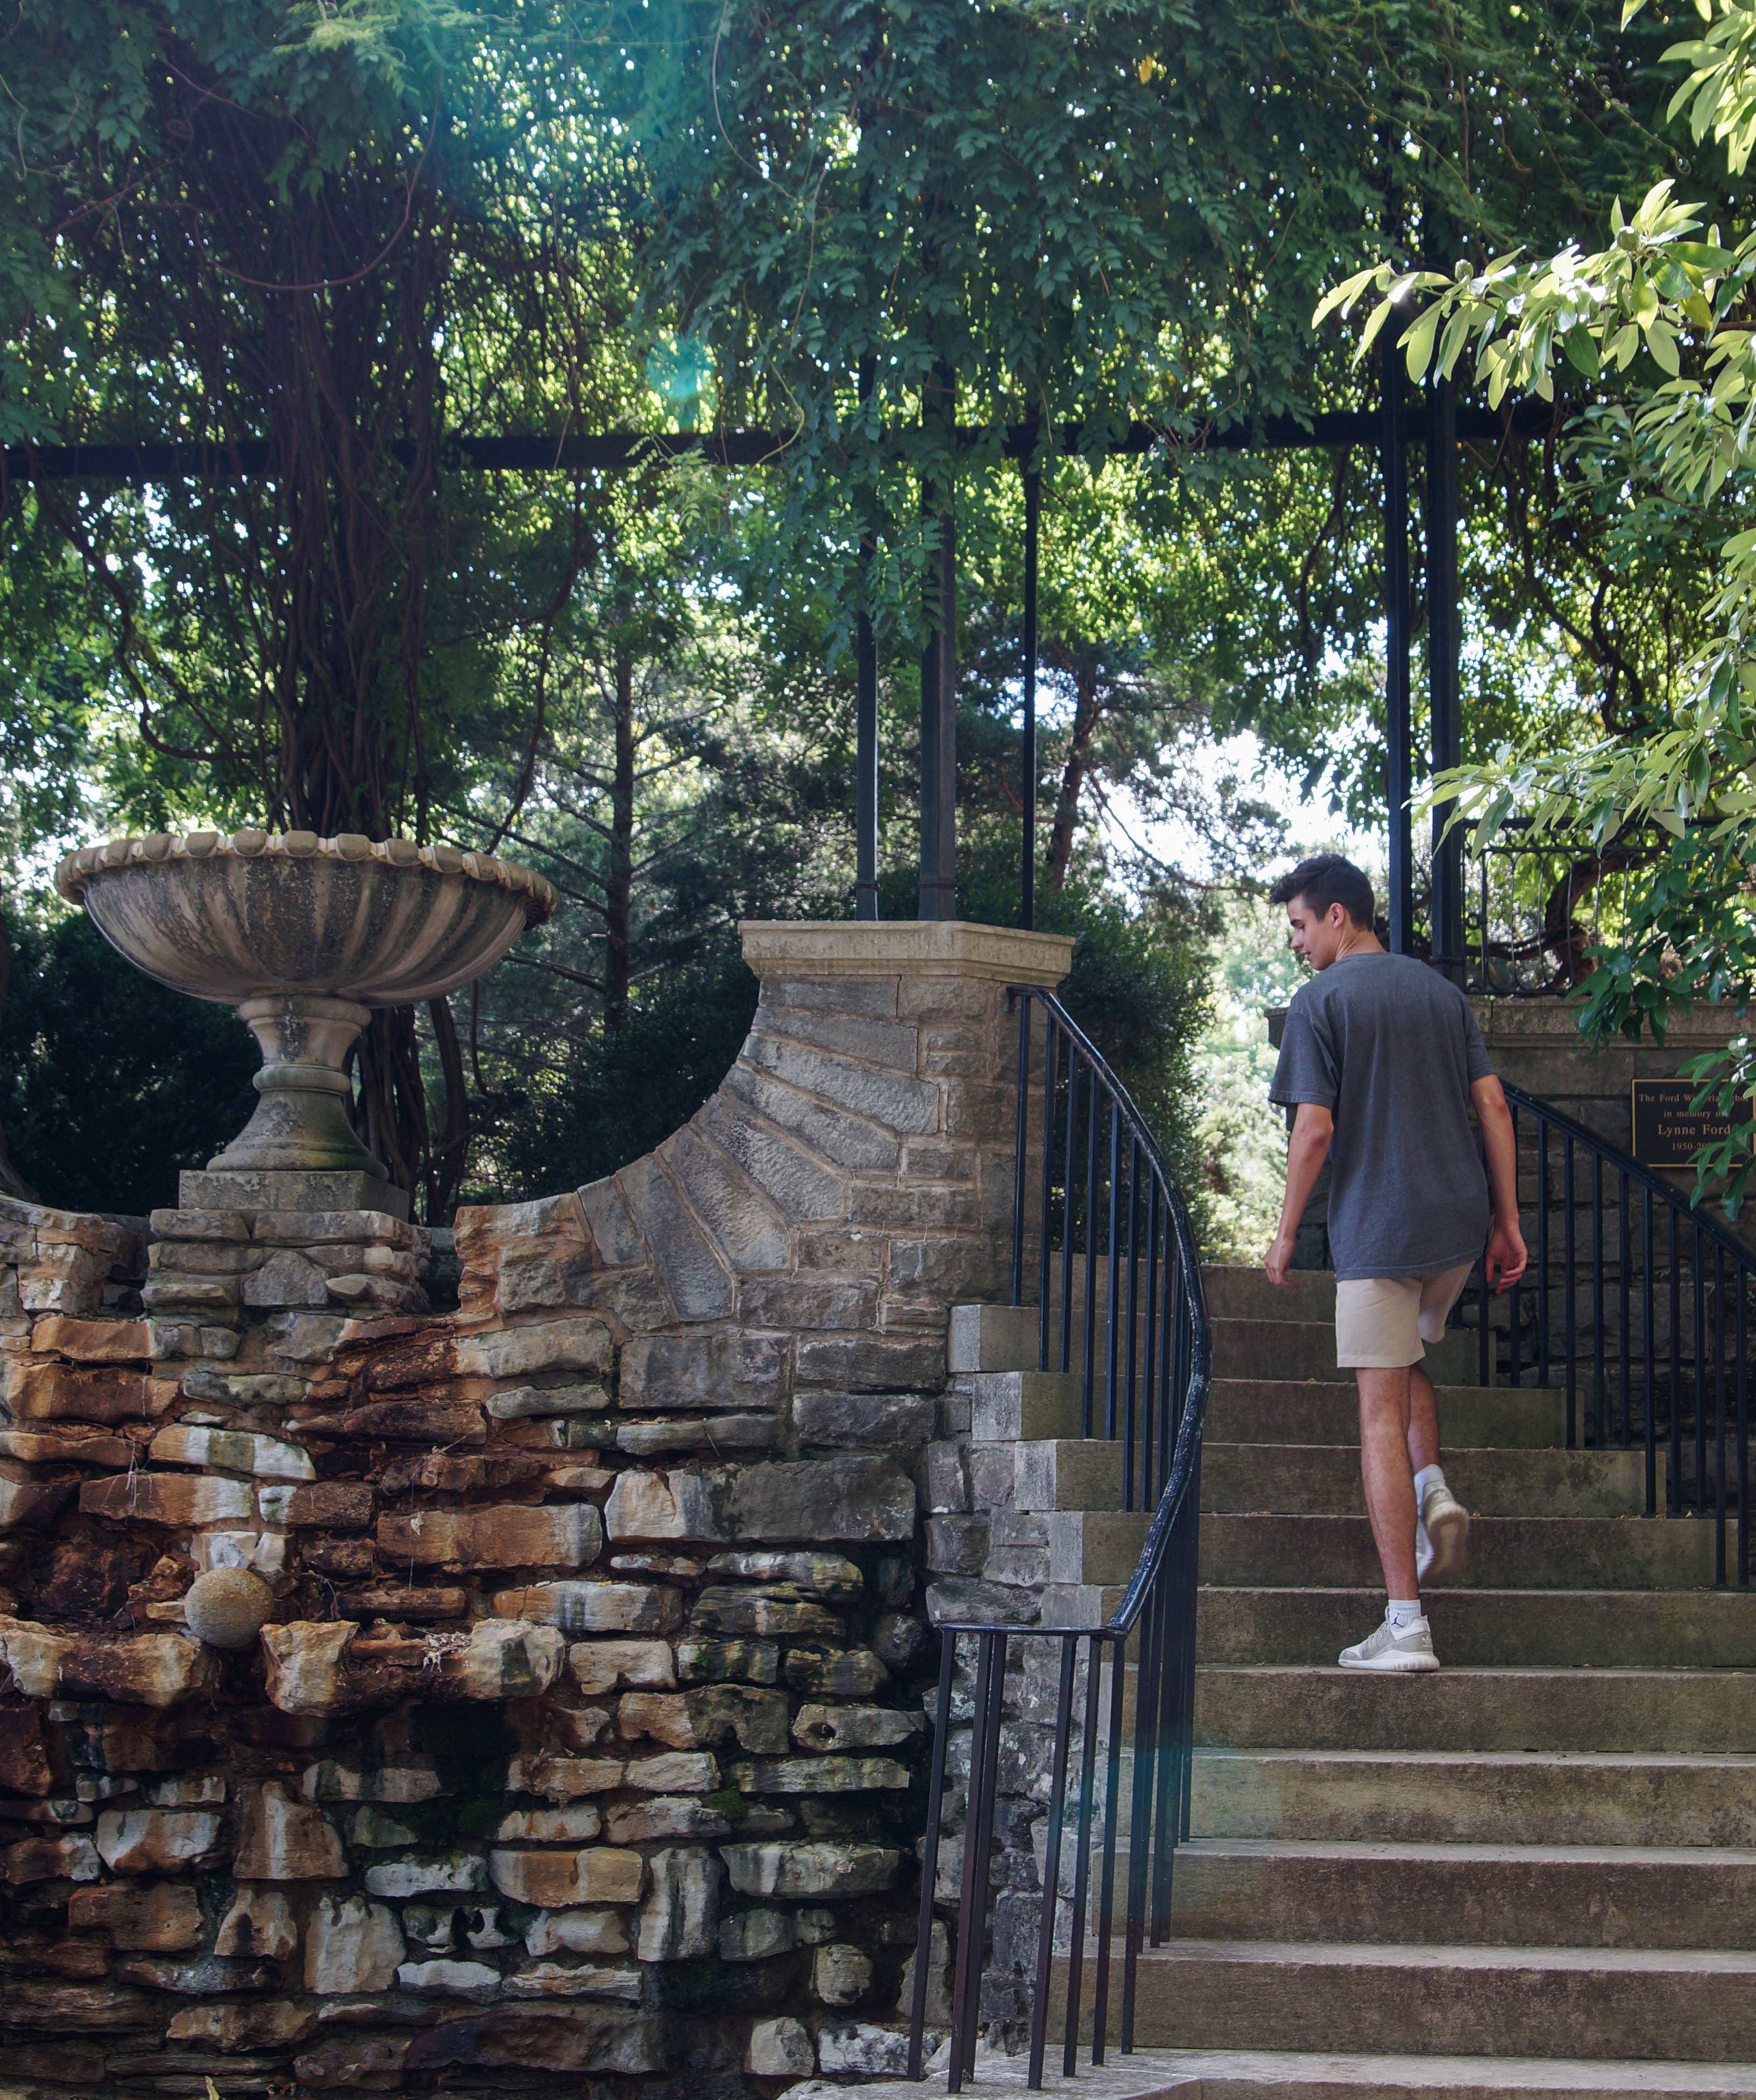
[{"x": 1324, "y": 879}]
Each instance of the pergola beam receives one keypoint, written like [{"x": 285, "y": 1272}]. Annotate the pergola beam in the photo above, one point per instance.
[{"x": 611, "y": 452}]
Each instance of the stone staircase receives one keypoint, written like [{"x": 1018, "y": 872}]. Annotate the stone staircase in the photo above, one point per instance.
[{"x": 1534, "y": 1871}]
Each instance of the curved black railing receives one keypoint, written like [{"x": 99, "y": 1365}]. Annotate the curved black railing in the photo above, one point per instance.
[
  {"x": 1109, "y": 1222},
  {"x": 1639, "y": 1306}
]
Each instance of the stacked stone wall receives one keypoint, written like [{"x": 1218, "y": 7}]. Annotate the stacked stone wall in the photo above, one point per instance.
[{"x": 585, "y": 1735}]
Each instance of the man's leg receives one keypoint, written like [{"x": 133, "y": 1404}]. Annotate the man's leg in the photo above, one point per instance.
[
  {"x": 1386, "y": 1437},
  {"x": 1424, "y": 1420}
]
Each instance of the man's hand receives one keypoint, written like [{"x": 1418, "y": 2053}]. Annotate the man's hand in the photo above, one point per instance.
[
  {"x": 1280, "y": 1258},
  {"x": 1505, "y": 1259}
]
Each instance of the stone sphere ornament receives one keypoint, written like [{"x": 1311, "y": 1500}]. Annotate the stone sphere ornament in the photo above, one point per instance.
[
  {"x": 304, "y": 936},
  {"x": 228, "y": 1607}
]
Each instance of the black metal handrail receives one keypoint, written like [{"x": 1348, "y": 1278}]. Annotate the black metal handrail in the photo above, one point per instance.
[
  {"x": 1101, "y": 1179},
  {"x": 1659, "y": 1358}
]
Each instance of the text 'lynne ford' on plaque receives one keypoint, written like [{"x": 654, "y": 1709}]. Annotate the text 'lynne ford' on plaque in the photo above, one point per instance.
[{"x": 1668, "y": 1130}]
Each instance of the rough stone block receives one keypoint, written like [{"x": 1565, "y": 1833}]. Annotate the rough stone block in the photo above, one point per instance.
[
  {"x": 848, "y": 1141},
  {"x": 801, "y": 1186},
  {"x": 729, "y": 1609},
  {"x": 577, "y": 1932},
  {"x": 29, "y": 1504},
  {"x": 287, "y": 1281},
  {"x": 833, "y": 1673},
  {"x": 679, "y": 1921},
  {"x": 724, "y": 1369},
  {"x": 594, "y": 1607},
  {"x": 549, "y": 1826},
  {"x": 280, "y": 1839},
  {"x": 271, "y": 2024},
  {"x": 260, "y": 1924},
  {"x": 698, "y": 1281},
  {"x": 578, "y": 1344},
  {"x": 756, "y": 1935},
  {"x": 872, "y": 1363},
  {"x": 706, "y": 1717},
  {"x": 105, "y": 1393},
  {"x": 957, "y": 1545},
  {"x": 751, "y": 1234},
  {"x": 157, "y": 1840},
  {"x": 893, "y": 1101},
  {"x": 777, "y": 1869},
  {"x": 562, "y": 1779},
  {"x": 818, "y": 1774},
  {"x": 232, "y": 1451},
  {"x": 447, "y": 1873},
  {"x": 885, "y": 1421},
  {"x": 664, "y": 1815},
  {"x": 859, "y": 1500},
  {"x": 91, "y": 1341},
  {"x": 804, "y": 1304},
  {"x": 525, "y": 1402},
  {"x": 716, "y": 1434},
  {"x": 608, "y": 1666},
  {"x": 511, "y": 1535},
  {"x": 555, "y": 1880},
  {"x": 779, "y": 2048},
  {"x": 717, "y": 1661},
  {"x": 391, "y": 1783},
  {"x": 70, "y": 1859},
  {"x": 336, "y": 1505},
  {"x": 161, "y": 1917},
  {"x": 556, "y": 1979},
  {"x": 840, "y": 1975},
  {"x": 145, "y": 1670},
  {"x": 179, "y": 1499},
  {"x": 350, "y": 2063},
  {"x": 862, "y": 2050},
  {"x": 351, "y": 1946}
]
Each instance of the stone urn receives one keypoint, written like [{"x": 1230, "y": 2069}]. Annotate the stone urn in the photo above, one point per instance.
[{"x": 304, "y": 936}]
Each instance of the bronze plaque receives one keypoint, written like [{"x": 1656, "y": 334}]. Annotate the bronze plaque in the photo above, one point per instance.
[{"x": 1667, "y": 1131}]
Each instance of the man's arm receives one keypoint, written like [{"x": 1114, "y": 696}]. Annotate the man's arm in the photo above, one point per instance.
[
  {"x": 1313, "y": 1127},
  {"x": 1505, "y": 1256}
]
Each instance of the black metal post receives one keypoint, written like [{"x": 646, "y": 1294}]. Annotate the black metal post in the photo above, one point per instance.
[
  {"x": 1443, "y": 684},
  {"x": 938, "y": 688},
  {"x": 1399, "y": 747},
  {"x": 1033, "y": 502},
  {"x": 865, "y": 720}
]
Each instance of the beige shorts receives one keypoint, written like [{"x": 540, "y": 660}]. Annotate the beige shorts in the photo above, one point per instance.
[{"x": 1382, "y": 1320}]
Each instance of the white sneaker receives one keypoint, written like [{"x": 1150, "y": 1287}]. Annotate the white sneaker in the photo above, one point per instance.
[
  {"x": 1398, "y": 1648},
  {"x": 1442, "y": 1536}
]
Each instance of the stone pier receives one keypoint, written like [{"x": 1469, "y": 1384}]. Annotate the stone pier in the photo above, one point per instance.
[{"x": 585, "y": 1733}]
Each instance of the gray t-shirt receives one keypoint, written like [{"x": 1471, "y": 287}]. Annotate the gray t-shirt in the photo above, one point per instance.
[{"x": 1390, "y": 1047}]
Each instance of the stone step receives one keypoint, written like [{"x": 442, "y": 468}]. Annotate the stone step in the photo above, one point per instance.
[
  {"x": 1072, "y": 1473},
  {"x": 1320, "y": 1480},
  {"x": 1506, "y": 1552},
  {"x": 1278, "y": 1706},
  {"x": 1304, "y": 2074},
  {"x": 1475, "y": 1796},
  {"x": 1237, "y": 1293},
  {"x": 1308, "y": 1411},
  {"x": 1306, "y": 1348},
  {"x": 1474, "y": 1895},
  {"x": 1579, "y": 2002},
  {"x": 1510, "y": 1629}
]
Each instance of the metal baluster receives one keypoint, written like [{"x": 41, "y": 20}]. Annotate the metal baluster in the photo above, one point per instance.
[
  {"x": 1622, "y": 1260},
  {"x": 1081, "y": 1870},
  {"x": 1140, "y": 1809},
  {"x": 1742, "y": 1383},
  {"x": 1699, "y": 1296},
  {"x": 1021, "y": 1111},
  {"x": 1045, "y": 1939},
  {"x": 1106, "y": 1897},
  {"x": 1573, "y": 1376},
  {"x": 1114, "y": 1285},
  {"x": 1050, "y": 1060},
  {"x": 1719, "y": 1415},
  {"x": 1091, "y": 1251},
  {"x": 1646, "y": 1290},
  {"x": 1542, "y": 1252},
  {"x": 1169, "y": 1410},
  {"x": 1133, "y": 1313},
  {"x": 1148, "y": 1496},
  {"x": 978, "y": 1842},
  {"x": 1514, "y": 1373},
  {"x": 1598, "y": 1434},
  {"x": 1165, "y": 1808},
  {"x": 1187, "y": 1587},
  {"x": 1067, "y": 1208},
  {"x": 929, "y": 1857},
  {"x": 1674, "y": 1497}
]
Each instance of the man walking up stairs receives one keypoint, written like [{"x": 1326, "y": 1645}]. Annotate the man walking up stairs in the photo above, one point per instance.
[{"x": 1382, "y": 1060}]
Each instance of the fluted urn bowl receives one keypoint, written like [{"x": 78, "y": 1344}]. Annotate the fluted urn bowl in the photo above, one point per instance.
[{"x": 304, "y": 936}]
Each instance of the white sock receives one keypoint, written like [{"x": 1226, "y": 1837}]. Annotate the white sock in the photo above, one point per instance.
[
  {"x": 1429, "y": 1476},
  {"x": 1403, "y": 1613}
]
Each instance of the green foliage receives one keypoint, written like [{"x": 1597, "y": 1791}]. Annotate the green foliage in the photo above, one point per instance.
[{"x": 110, "y": 1082}]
